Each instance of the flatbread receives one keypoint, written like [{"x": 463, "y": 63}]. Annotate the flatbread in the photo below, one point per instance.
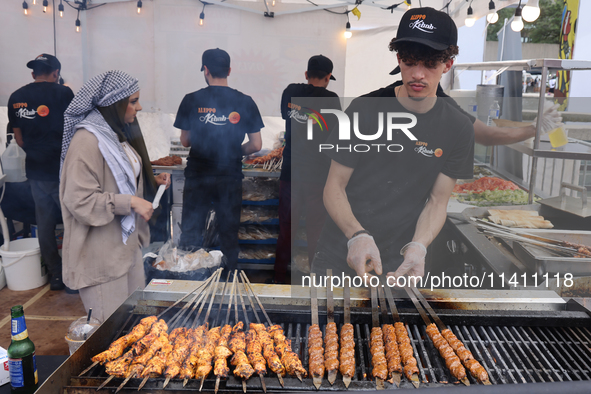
[{"x": 518, "y": 218}]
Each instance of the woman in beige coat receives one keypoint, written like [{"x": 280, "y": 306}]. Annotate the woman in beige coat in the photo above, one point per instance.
[{"x": 105, "y": 218}]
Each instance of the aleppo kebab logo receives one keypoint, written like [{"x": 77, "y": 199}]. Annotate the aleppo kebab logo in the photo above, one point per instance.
[
  {"x": 42, "y": 110},
  {"x": 234, "y": 117}
]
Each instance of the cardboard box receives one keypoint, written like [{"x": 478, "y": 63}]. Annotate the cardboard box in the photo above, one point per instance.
[{"x": 4, "y": 375}]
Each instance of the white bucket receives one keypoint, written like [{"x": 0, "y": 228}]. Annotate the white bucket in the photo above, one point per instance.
[{"x": 22, "y": 265}]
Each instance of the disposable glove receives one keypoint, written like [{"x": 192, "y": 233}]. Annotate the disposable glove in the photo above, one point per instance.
[
  {"x": 551, "y": 119},
  {"x": 414, "y": 261},
  {"x": 364, "y": 255}
]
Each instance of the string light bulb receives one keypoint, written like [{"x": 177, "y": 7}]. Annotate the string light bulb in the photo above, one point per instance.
[
  {"x": 273, "y": 3},
  {"x": 201, "y": 18},
  {"x": 139, "y": 6},
  {"x": 348, "y": 34},
  {"x": 517, "y": 24},
  {"x": 470, "y": 20},
  {"x": 408, "y": 4},
  {"x": 61, "y": 9},
  {"x": 492, "y": 17},
  {"x": 77, "y": 25},
  {"x": 45, "y": 4},
  {"x": 531, "y": 11},
  {"x": 34, "y": 2},
  {"x": 25, "y": 8}
]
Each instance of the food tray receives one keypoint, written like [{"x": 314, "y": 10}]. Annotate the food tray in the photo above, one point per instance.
[
  {"x": 542, "y": 261},
  {"x": 561, "y": 220}
]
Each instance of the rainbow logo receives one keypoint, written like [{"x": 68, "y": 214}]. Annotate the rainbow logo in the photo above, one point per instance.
[{"x": 315, "y": 115}]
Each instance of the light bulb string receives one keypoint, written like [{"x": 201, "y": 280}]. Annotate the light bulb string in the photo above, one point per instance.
[
  {"x": 446, "y": 7},
  {"x": 82, "y": 5}
]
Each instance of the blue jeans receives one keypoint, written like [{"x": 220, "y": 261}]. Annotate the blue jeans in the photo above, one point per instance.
[
  {"x": 224, "y": 195},
  {"x": 48, "y": 214}
]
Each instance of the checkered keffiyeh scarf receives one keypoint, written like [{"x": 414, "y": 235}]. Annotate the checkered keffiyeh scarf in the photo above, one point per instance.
[{"x": 102, "y": 91}]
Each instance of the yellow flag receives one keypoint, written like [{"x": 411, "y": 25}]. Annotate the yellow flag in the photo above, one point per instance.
[{"x": 355, "y": 11}]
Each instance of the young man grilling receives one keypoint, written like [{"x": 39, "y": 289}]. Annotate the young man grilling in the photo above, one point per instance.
[{"x": 387, "y": 190}]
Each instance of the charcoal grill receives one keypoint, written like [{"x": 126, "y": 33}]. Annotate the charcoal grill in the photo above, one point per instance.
[{"x": 520, "y": 345}]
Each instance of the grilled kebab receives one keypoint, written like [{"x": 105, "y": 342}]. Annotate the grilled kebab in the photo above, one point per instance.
[
  {"x": 347, "y": 361},
  {"x": 237, "y": 345},
  {"x": 206, "y": 354},
  {"x": 378, "y": 357},
  {"x": 269, "y": 353},
  {"x": 465, "y": 355},
  {"x": 180, "y": 351},
  {"x": 406, "y": 352},
  {"x": 289, "y": 359},
  {"x": 392, "y": 353},
  {"x": 116, "y": 348},
  {"x": 222, "y": 352},
  {"x": 120, "y": 367},
  {"x": 254, "y": 350},
  {"x": 196, "y": 343},
  {"x": 452, "y": 361},
  {"x": 331, "y": 348},
  {"x": 315, "y": 352}
]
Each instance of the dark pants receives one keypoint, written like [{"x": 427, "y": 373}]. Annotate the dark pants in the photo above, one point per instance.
[
  {"x": 224, "y": 196},
  {"x": 47, "y": 215},
  {"x": 294, "y": 199}
]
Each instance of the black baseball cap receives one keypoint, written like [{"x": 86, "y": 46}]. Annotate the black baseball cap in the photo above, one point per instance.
[
  {"x": 45, "y": 60},
  {"x": 215, "y": 58},
  {"x": 429, "y": 27},
  {"x": 321, "y": 63},
  {"x": 395, "y": 71}
]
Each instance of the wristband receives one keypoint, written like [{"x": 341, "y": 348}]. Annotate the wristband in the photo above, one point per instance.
[
  {"x": 353, "y": 239},
  {"x": 358, "y": 233},
  {"x": 408, "y": 245}
]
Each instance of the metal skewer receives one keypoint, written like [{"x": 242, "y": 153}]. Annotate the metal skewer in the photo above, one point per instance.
[
  {"x": 173, "y": 322},
  {"x": 375, "y": 322},
  {"x": 396, "y": 318},
  {"x": 236, "y": 317},
  {"x": 185, "y": 296},
  {"x": 395, "y": 378},
  {"x": 347, "y": 319},
  {"x": 332, "y": 375},
  {"x": 212, "y": 288},
  {"x": 256, "y": 297},
  {"x": 159, "y": 316},
  {"x": 314, "y": 307},
  {"x": 248, "y": 323},
  {"x": 245, "y": 278},
  {"x": 215, "y": 288},
  {"x": 438, "y": 321},
  {"x": 217, "y": 381},
  {"x": 425, "y": 318},
  {"x": 215, "y": 322}
]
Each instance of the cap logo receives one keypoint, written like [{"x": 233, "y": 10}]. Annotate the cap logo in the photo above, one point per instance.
[
  {"x": 41, "y": 57},
  {"x": 422, "y": 26},
  {"x": 419, "y": 16}
]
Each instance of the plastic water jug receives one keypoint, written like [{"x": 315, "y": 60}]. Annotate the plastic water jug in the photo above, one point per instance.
[{"x": 13, "y": 163}]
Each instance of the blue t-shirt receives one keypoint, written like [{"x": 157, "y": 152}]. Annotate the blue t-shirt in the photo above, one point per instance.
[
  {"x": 217, "y": 118},
  {"x": 37, "y": 109}
]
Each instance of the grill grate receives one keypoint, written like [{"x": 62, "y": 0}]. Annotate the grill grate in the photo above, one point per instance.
[{"x": 510, "y": 355}]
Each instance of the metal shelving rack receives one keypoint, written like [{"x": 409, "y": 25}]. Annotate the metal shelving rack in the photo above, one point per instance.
[{"x": 575, "y": 149}]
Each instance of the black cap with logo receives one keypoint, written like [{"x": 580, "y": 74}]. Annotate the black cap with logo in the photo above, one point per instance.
[
  {"x": 215, "y": 58},
  {"x": 429, "y": 27},
  {"x": 321, "y": 63},
  {"x": 46, "y": 60}
]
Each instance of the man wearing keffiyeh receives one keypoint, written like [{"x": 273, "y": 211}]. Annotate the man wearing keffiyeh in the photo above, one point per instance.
[{"x": 101, "y": 187}]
